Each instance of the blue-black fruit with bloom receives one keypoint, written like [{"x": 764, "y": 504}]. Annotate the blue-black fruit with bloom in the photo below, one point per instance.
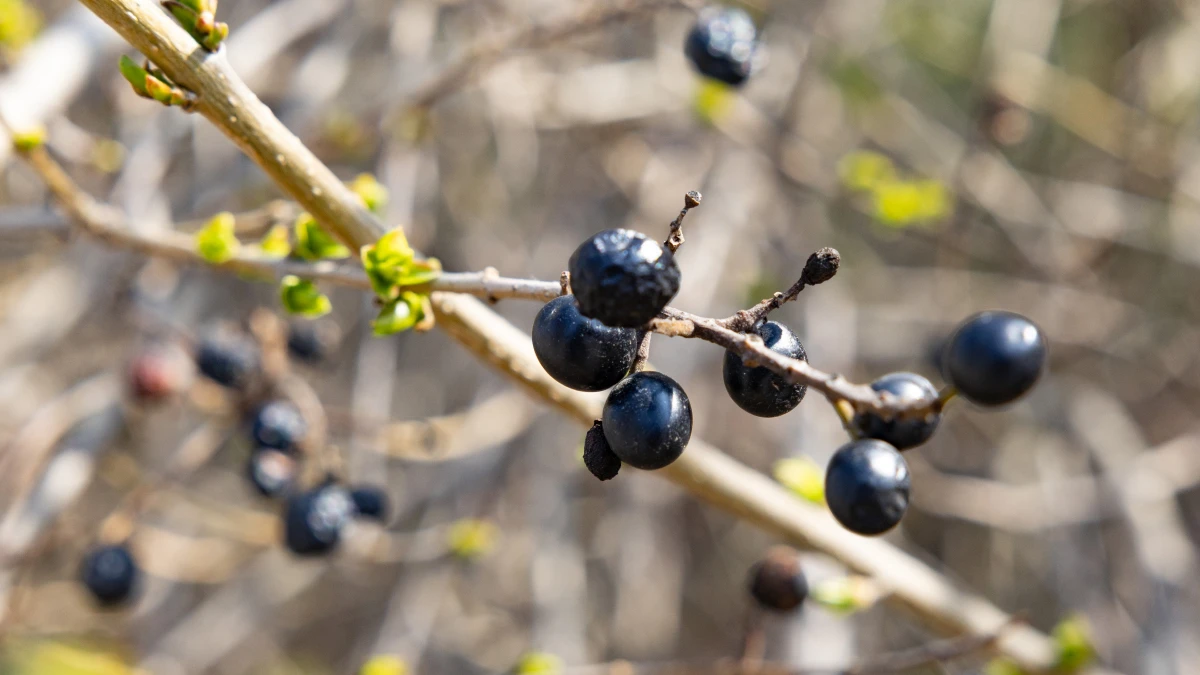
[
  {"x": 111, "y": 574},
  {"x": 278, "y": 424},
  {"x": 371, "y": 502},
  {"x": 313, "y": 520},
  {"x": 758, "y": 390},
  {"x": 867, "y": 485},
  {"x": 579, "y": 352},
  {"x": 228, "y": 358},
  {"x": 647, "y": 420},
  {"x": 723, "y": 44},
  {"x": 622, "y": 278},
  {"x": 995, "y": 357},
  {"x": 901, "y": 433}
]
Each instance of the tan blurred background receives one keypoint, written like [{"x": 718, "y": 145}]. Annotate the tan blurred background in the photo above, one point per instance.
[{"x": 1034, "y": 155}]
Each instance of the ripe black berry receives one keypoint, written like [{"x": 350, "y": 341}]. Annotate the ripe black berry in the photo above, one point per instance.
[
  {"x": 905, "y": 433},
  {"x": 311, "y": 341},
  {"x": 371, "y": 502},
  {"x": 623, "y": 278},
  {"x": 866, "y": 486},
  {"x": 111, "y": 574},
  {"x": 647, "y": 420},
  {"x": 278, "y": 424},
  {"x": 758, "y": 390},
  {"x": 228, "y": 358},
  {"x": 777, "y": 582},
  {"x": 722, "y": 45},
  {"x": 995, "y": 357},
  {"x": 579, "y": 352},
  {"x": 313, "y": 520},
  {"x": 598, "y": 457},
  {"x": 271, "y": 471}
]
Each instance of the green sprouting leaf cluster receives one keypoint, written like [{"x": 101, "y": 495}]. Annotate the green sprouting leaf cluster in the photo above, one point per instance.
[
  {"x": 301, "y": 296},
  {"x": 894, "y": 200},
  {"x": 149, "y": 82},
  {"x": 393, "y": 269},
  {"x": 199, "y": 18},
  {"x": 216, "y": 241}
]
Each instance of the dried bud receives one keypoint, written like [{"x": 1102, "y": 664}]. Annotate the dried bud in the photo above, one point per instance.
[
  {"x": 597, "y": 456},
  {"x": 821, "y": 266},
  {"x": 777, "y": 582},
  {"x": 691, "y": 200}
]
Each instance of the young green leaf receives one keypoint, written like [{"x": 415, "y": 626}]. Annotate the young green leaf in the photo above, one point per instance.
[
  {"x": 538, "y": 663},
  {"x": 803, "y": 477},
  {"x": 385, "y": 261},
  {"x": 28, "y": 139},
  {"x": 373, "y": 195},
  {"x": 400, "y": 314},
  {"x": 845, "y": 595},
  {"x": 135, "y": 74},
  {"x": 301, "y": 296},
  {"x": 216, "y": 242},
  {"x": 471, "y": 538},
  {"x": 276, "y": 244},
  {"x": 419, "y": 272},
  {"x": 314, "y": 243},
  {"x": 1073, "y": 642}
]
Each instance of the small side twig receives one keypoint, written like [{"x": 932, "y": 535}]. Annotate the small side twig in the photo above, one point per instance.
[
  {"x": 690, "y": 201},
  {"x": 820, "y": 267}
]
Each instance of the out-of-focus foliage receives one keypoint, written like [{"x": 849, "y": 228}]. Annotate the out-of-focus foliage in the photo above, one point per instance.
[
  {"x": 19, "y": 23},
  {"x": 64, "y": 658}
]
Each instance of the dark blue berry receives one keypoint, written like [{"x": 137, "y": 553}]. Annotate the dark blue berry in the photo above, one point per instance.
[
  {"x": 313, "y": 520},
  {"x": 278, "y": 424},
  {"x": 722, "y": 45},
  {"x": 647, "y": 420},
  {"x": 228, "y": 358},
  {"x": 579, "y": 352},
  {"x": 110, "y": 574},
  {"x": 371, "y": 502},
  {"x": 908, "y": 432},
  {"x": 271, "y": 471},
  {"x": 623, "y": 278},
  {"x": 311, "y": 341},
  {"x": 760, "y": 391},
  {"x": 777, "y": 582},
  {"x": 995, "y": 357},
  {"x": 866, "y": 486}
]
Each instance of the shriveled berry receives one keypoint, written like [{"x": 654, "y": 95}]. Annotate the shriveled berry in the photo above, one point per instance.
[
  {"x": 777, "y": 582},
  {"x": 758, "y": 390},
  {"x": 647, "y": 420},
  {"x": 995, "y": 357},
  {"x": 272, "y": 472},
  {"x": 901, "y": 433},
  {"x": 598, "y": 457},
  {"x": 110, "y": 574},
  {"x": 722, "y": 45},
  {"x": 278, "y": 424},
  {"x": 623, "y": 278},
  {"x": 228, "y": 358},
  {"x": 866, "y": 486},
  {"x": 371, "y": 502},
  {"x": 579, "y": 352},
  {"x": 313, "y": 520}
]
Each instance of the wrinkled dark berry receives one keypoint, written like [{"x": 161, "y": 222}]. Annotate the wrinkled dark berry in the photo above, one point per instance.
[
  {"x": 821, "y": 266},
  {"x": 228, "y": 358},
  {"x": 579, "y": 352},
  {"x": 371, "y": 502},
  {"x": 623, "y": 278},
  {"x": 908, "y": 432},
  {"x": 722, "y": 45},
  {"x": 597, "y": 456},
  {"x": 777, "y": 582},
  {"x": 866, "y": 486},
  {"x": 110, "y": 574},
  {"x": 995, "y": 357},
  {"x": 313, "y": 520},
  {"x": 647, "y": 420},
  {"x": 278, "y": 424},
  {"x": 760, "y": 391},
  {"x": 271, "y": 471}
]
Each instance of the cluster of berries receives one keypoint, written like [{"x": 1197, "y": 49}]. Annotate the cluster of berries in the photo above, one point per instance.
[{"x": 313, "y": 519}]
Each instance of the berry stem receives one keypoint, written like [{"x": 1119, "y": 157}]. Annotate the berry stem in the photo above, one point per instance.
[
  {"x": 643, "y": 351},
  {"x": 845, "y": 411},
  {"x": 947, "y": 394},
  {"x": 674, "y": 240}
]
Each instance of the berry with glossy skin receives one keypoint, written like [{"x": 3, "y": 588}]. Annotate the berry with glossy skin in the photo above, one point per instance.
[
  {"x": 623, "y": 278},
  {"x": 995, "y": 357},
  {"x": 271, "y": 471},
  {"x": 278, "y": 424},
  {"x": 906, "y": 433},
  {"x": 579, "y": 352},
  {"x": 722, "y": 45},
  {"x": 647, "y": 420},
  {"x": 110, "y": 574},
  {"x": 866, "y": 486},
  {"x": 758, "y": 390},
  {"x": 371, "y": 502},
  {"x": 228, "y": 358},
  {"x": 777, "y": 582},
  {"x": 313, "y": 520}
]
